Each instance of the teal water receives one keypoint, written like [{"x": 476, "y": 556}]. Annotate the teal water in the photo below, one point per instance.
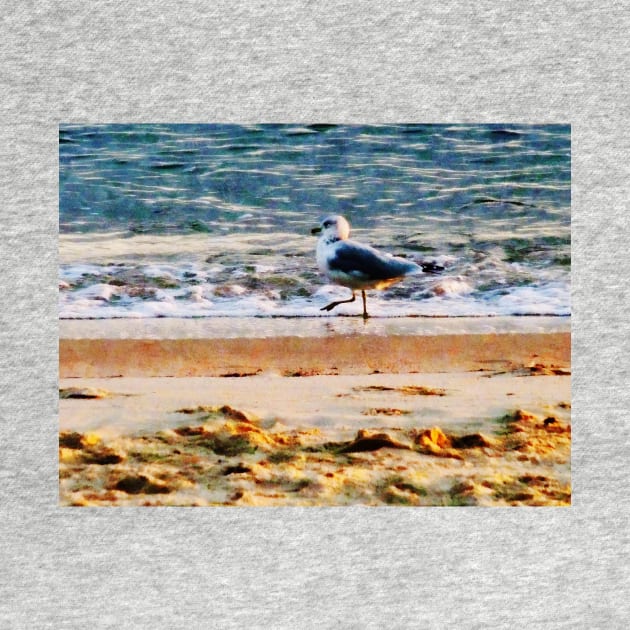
[{"x": 489, "y": 203}]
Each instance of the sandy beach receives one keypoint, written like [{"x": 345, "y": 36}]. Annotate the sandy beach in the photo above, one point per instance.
[{"x": 324, "y": 412}]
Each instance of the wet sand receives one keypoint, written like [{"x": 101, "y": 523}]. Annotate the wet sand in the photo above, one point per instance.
[{"x": 325, "y": 417}]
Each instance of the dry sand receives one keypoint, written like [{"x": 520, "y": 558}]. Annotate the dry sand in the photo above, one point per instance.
[{"x": 315, "y": 414}]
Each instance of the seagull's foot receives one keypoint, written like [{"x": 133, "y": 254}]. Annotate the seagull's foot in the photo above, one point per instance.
[
  {"x": 329, "y": 307},
  {"x": 332, "y": 305}
]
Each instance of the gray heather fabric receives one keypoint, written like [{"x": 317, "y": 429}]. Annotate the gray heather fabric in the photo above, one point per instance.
[{"x": 290, "y": 61}]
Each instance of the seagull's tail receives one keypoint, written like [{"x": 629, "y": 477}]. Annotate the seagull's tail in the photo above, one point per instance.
[
  {"x": 418, "y": 269},
  {"x": 431, "y": 267}
]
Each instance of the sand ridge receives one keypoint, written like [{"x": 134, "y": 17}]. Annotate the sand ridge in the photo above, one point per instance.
[
  {"x": 377, "y": 439},
  {"x": 237, "y": 462}
]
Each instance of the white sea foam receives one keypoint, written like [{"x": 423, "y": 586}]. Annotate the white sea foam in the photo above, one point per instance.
[
  {"x": 455, "y": 285},
  {"x": 264, "y": 268},
  {"x": 105, "y": 301},
  {"x": 77, "y": 270}
]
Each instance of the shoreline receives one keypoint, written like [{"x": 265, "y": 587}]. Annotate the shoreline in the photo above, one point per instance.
[
  {"x": 325, "y": 326},
  {"x": 244, "y": 346},
  {"x": 340, "y": 354}
]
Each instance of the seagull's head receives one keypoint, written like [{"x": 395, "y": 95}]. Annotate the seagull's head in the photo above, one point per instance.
[{"x": 333, "y": 228}]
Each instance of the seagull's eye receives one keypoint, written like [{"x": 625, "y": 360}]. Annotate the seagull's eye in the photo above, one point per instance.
[{"x": 327, "y": 224}]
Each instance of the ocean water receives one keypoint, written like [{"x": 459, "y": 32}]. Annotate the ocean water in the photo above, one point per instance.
[{"x": 166, "y": 220}]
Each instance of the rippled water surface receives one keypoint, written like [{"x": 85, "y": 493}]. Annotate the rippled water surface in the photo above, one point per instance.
[{"x": 214, "y": 220}]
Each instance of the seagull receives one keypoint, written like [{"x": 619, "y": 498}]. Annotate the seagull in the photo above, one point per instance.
[{"x": 355, "y": 265}]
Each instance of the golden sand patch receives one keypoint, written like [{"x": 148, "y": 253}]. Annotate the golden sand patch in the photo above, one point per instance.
[
  {"x": 408, "y": 390},
  {"x": 385, "y": 411},
  {"x": 532, "y": 369},
  {"x": 231, "y": 460},
  {"x": 84, "y": 392},
  {"x": 224, "y": 410}
]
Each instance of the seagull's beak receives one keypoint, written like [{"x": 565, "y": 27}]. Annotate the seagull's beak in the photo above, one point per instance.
[{"x": 316, "y": 230}]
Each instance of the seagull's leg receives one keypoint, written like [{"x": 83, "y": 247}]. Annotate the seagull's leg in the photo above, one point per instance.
[
  {"x": 333, "y": 304},
  {"x": 365, "y": 313}
]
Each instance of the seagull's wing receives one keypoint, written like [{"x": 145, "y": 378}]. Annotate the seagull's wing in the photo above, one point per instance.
[{"x": 366, "y": 263}]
